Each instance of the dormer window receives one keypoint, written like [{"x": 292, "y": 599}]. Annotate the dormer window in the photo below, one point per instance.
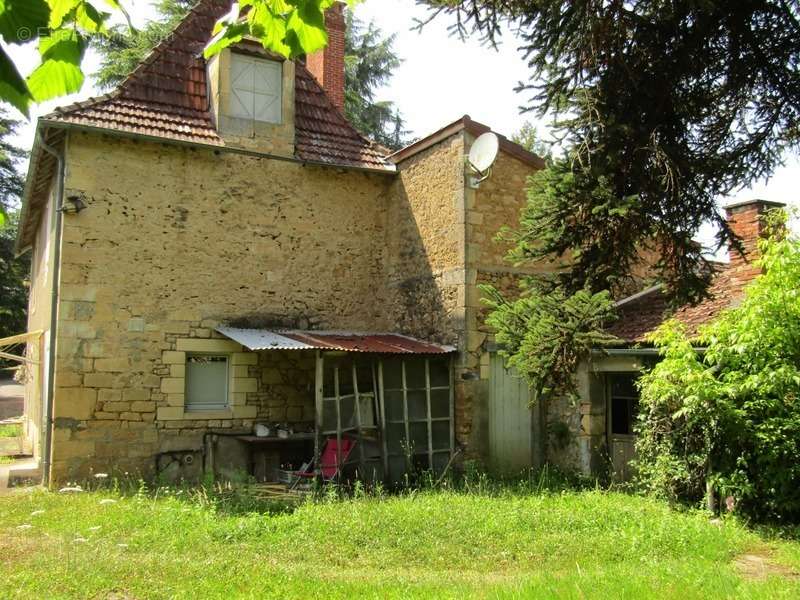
[
  {"x": 251, "y": 98},
  {"x": 256, "y": 88}
]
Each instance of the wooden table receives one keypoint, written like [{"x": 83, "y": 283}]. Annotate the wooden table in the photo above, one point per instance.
[{"x": 268, "y": 453}]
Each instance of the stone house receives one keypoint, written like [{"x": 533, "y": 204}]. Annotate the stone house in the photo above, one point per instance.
[{"x": 215, "y": 247}]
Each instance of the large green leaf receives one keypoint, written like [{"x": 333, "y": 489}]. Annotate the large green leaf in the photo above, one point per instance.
[
  {"x": 21, "y": 20},
  {"x": 59, "y": 9},
  {"x": 269, "y": 28},
  {"x": 306, "y": 29},
  {"x": 229, "y": 35},
  {"x": 12, "y": 86},
  {"x": 90, "y": 19},
  {"x": 60, "y": 72}
]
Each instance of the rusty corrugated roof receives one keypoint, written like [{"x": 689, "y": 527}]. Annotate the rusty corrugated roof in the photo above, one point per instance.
[
  {"x": 346, "y": 341},
  {"x": 166, "y": 96}
]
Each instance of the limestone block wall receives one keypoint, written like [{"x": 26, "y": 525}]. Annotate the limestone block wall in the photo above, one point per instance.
[
  {"x": 496, "y": 204},
  {"x": 425, "y": 243},
  {"x": 175, "y": 242},
  {"x": 578, "y": 428}
]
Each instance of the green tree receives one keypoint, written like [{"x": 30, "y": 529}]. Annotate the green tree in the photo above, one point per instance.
[
  {"x": 13, "y": 281},
  {"x": 124, "y": 48},
  {"x": 369, "y": 62},
  {"x": 528, "y": 137},
  {"x": 663, "y": 107},
  {"x": 13, "y": 271},
  {"x": 667, "y": 105},
  {"x": 731, "y": 416}
]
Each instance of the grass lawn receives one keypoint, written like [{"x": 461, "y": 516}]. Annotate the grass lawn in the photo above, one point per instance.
[
  {"x": 587, "y": 544},
  {"x": 10, "y": 431}
]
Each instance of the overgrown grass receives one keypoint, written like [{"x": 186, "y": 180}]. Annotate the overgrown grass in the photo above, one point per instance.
[
  {"x": 10, "y": 431},
  {"x": 484, "y": 542}
]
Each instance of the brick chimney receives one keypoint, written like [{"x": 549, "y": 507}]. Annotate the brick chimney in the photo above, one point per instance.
[
  {"x": 327, "y": 65},
  {"x": 746, "y": 221}
]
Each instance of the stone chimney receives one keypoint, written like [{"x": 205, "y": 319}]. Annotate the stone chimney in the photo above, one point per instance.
[
  {"x": 746, "y": 221},
  {"x": 327, "y": 65}
]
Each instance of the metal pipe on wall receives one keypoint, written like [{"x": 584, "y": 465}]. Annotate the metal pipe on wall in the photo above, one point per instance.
[{"x": 47, "y": 428}]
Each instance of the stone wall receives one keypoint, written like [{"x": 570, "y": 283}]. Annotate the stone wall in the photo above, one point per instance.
[
  {"x": 577, "y": 428},
  {"x": 176, "y": 241},
  {"x": 425, "y": 243},
  {"x": 496, "y": 203},
  {"x": 427, "y": 246}
]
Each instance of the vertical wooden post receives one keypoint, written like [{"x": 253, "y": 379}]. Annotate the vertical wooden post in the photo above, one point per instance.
[
  {"x": 338, "y": 425},
  {"x": 382, "y": 416},
  {"x": 452, "y": 409},
  {"x": 409, "y": 451},
  {"x": 428, "y": 404},
  {"x": 319, "y": 376},
  {"x": 360, "y": 440}
]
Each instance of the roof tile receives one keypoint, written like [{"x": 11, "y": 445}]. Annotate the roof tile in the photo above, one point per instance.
[
  {"x": 166, "y": 97},
  {"x": 643, "y": 315}
]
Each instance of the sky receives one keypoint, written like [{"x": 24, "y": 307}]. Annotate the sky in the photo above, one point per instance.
[{"x": 441, "y": 79}]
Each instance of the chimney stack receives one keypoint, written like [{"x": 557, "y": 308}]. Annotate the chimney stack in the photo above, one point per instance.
[
  {"x": 746, "y": 221},
  {"x": 327, "y": 65}
]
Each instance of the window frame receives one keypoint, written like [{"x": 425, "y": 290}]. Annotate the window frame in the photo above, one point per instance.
[
  {"x": 188, "y": 408},
  {"x": 632, "y": 401},
  {"x": 254, "y": 60}
]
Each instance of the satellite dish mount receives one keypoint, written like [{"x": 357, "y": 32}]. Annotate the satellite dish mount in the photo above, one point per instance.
[{"x": 482, "y": 155}]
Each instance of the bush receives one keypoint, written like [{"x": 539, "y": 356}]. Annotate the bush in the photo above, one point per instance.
[{"x": 731, "y": 416}]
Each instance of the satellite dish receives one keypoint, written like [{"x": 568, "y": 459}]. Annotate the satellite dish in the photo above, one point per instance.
[{"x": 482, "y": 156}]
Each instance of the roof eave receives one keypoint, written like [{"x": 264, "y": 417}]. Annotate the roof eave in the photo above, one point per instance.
[
  {"x": 30, "y": 180},
  {"x": 389, "y": 170},
  {"x": 466, "y": 123}
]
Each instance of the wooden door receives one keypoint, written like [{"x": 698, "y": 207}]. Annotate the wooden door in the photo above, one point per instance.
[
  {"x": 622, "y": 407},
  {"x": 514, "y": 441}
]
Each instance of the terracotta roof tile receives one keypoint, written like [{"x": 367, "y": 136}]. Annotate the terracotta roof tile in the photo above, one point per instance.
[
  {"x": 644, "y": 314},
  {"x": 166, "y": 97}
]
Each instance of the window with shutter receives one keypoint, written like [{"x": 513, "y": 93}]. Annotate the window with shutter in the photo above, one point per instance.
[
  {"x": 206, "y": 382},
  {"x": 256, "y": 89}
]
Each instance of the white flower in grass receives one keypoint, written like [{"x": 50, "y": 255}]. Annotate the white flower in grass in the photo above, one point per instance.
[
  {"x": 37, "y": 513},
  {"x": 75, "y": 489},
  {"x": 101, "y": 475},
  {"x": 105, "y": 501},
  {"x": 25, "y": 526}
]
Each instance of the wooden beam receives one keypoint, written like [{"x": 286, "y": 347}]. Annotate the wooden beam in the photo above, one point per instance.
[
  {"x": 21, "y": 359},
  {"x": 382, "y": 416},
  {"x": 19, "y": 339},
  {"x": 318, "y": 412}
]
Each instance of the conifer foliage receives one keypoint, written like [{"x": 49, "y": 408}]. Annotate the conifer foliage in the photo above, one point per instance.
[{"x": 663, "y": 107}]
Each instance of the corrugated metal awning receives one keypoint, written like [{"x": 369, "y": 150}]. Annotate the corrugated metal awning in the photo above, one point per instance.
[{"x": 347, "y": 341}]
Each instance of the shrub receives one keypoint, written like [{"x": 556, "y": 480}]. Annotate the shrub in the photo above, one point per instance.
[{"x": 730, "y": 416}]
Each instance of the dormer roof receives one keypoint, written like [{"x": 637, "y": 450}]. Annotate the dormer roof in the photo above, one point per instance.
[{"x": 167, "y": 97}]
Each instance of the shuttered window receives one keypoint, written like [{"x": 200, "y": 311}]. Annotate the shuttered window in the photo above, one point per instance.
[
  {"x": 206, "y": 382},
  {"x": 256, "y": 89}
]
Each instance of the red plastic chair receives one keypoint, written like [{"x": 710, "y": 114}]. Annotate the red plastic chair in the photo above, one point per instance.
[{"x": 329, "y": 467}]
